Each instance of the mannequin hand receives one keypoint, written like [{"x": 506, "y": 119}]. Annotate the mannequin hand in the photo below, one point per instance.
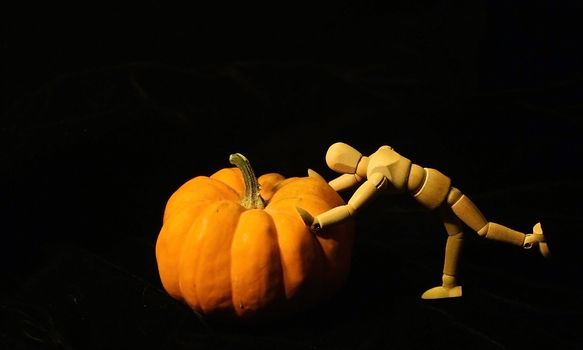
[
  {"x": 537, "y": 238},
  {"x": 309, "y": 220},
  {"x": 315, "y": 227}
]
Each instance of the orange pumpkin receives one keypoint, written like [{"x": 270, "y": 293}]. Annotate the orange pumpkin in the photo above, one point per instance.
[{"x": 230, "y": 250}]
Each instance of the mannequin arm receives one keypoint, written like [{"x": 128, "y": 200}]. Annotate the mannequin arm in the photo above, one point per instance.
[
  {"x": 344, "y": 182},
  {"x": 364, "y": 194}
]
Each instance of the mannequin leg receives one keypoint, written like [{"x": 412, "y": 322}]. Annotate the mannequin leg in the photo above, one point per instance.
[
  {"x": 461, "y": 210},
  {"x": 453, "y": 250},
  {"x": 466, "y": 210}
]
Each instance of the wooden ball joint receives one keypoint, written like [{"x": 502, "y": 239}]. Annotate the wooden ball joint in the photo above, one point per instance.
[{"x": 386, "y": 171}]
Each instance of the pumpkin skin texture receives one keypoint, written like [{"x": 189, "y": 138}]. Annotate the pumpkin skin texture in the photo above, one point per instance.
[{"x": 227, "y": 261}]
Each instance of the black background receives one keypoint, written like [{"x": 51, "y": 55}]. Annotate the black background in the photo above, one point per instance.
[{"x": 109, "y": 107}]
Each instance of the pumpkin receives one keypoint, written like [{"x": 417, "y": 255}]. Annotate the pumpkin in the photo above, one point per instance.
[{"x": 233, "y": 246}]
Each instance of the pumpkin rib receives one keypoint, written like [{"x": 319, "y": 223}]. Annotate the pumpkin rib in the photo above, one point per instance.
[
  {"x": 257, "y": 279},
  {"x": 232, "y": 177},
  {"x": 205, "y": 277},
  {"x": 308, "y": 188},
  {"x": 328, "y": 242},
  {"x": 194, "y": 208},
  {"x": 199, "y": 188},
  {"x": 189, "y": 263},
  {"x": 298, "y": 260},
  {"x": 171, "y": 241},
  {"x": 193, "y": 242},
  {"x": 268, "y": 184},
  {"x": 169, "y": 247},
  {"x": 337, "y": 252},
  {"x": 213, "y": 272}
]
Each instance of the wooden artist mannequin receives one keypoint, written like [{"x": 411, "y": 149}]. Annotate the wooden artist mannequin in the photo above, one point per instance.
[{"x": 386, "y": 171}]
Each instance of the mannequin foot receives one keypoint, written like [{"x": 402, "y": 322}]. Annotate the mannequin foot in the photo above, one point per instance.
[
  {"x": 537, "y": 238},
  {"x": 449, "y": 289},
  {"x": 442, "y": 292}
]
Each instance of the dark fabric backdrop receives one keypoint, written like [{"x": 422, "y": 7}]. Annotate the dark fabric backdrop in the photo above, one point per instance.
[{"x": 109, "y": 107}]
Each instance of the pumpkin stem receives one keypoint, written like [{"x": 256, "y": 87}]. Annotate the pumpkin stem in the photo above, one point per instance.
[{"x": 251, "y": 199}]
